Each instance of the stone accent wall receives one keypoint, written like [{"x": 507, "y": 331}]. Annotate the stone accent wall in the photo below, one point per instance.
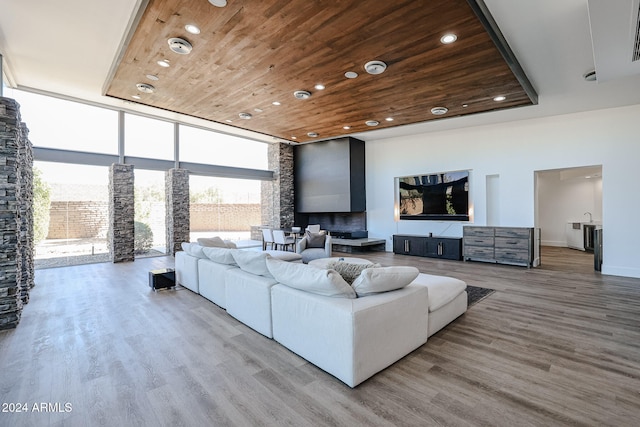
[
  {"x": 177, "y": 197},
  {"x": 121, "y": 235},
  {"x": 16, "y": 216},
  {"x": 278, "y": 206},
  {"x": 223, "y": 217},
  {"x": 77, "y": 220}
]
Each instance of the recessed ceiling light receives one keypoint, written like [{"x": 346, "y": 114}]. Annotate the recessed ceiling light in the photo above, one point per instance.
[
  {"x": 351, "y": 74},
  {"x": 346, "y": 127},
  {"x": 136, "y": 96},
  {"x": 313, "y": 134},
  {"x": 302, "y": 94},
  {"x": 276, "y": 103},
  {"x": 499, "y": 98},
  {"x": 375, "y": 67},
  {"x": 218, "y": 3},
  {"x": 372, "y": 123},
  {"x": 229, "y": 120},
  {"x": 153, "y": 77},
  {"x": 245, "y": 116},
  {"x": 465, "y": 105},
  {"x": 145, "y": 88},
  {"x": 193, "y": 29},
  {"x": 320, "y": 86},
  {"x": 438, "y": 111},
  {"x": 258, "y": 110},
  {"x": 448, "y": 38},
  {"x": 590, "y": 76},
  {"x": 164, "y": 63},
  {"x": 294, "y": 137},
  {"x": 389, "y": 119},
  {"x": 180, "y": 46}
]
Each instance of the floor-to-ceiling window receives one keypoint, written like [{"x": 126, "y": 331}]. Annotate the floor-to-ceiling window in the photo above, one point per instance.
[
  {"x": 74, "y": 144},
  {"x": 71, "y": 214}
]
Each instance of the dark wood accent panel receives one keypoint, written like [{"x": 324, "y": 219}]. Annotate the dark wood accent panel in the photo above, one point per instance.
[{"x": 251, "y": 53}]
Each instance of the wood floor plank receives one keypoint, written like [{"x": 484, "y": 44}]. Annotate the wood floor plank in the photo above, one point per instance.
[{"x": 554, "y": 345}]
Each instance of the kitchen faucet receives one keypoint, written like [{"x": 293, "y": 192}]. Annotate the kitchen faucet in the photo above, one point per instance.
[{"x": 590, "y": 216}]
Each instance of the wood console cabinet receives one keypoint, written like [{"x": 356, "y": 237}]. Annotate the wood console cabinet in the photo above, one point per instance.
[
  {"x": 502, "y": 245},
  {"x": 432, "y": 247}
]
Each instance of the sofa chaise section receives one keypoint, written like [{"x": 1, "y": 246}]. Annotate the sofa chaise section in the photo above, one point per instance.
[{"x": 352, "y": 339}]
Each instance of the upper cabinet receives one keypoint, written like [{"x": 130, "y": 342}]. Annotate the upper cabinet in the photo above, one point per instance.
[{"x": 330, "y": 176}]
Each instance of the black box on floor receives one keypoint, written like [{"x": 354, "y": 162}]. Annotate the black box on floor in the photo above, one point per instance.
[{"x": 163, "y": 278}]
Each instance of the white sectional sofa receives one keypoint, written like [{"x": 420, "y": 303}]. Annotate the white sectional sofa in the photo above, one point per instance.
[{"x": 350, "y": 331}]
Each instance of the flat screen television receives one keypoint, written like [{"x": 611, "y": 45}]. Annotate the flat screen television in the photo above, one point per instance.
[{"x": 440, "y": 196}]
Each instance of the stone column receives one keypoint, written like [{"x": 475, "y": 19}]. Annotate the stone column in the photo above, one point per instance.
[
  {"x": 25, "y": 213},
  {"x": 10, "y": 292},
  {"x": 177, "y": 202},
  {"x": 121, "y": 213},
  {"x": 277, "y": 196}
]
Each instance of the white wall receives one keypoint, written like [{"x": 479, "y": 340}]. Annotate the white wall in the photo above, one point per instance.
[{"x": 514, "y": 151}]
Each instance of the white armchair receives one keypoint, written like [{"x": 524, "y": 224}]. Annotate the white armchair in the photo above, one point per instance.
[{"x": 309, "y": 253}]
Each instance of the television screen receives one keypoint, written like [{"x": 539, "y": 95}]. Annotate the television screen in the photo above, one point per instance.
[{"x": 435, "y": 196}]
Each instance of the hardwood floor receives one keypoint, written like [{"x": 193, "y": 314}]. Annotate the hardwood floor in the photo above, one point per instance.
[{"x": 555, "y": 345}]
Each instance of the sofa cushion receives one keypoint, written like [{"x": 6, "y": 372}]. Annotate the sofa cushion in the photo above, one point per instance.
[
  {"x": 375, "y": 280},
  {"x": 310, "y": 279},
  {"x": 442, "y": 289},
  {"x": 285, "y": 255},
  {"x": 230, "y": 244},
  {"x": 252, "y": 262},
  {"x": 220, "y": 255},
  {"x": 193, "y": 249},
  {"x": 315, "y": 240},
  {"x": 349, "y": 271}
]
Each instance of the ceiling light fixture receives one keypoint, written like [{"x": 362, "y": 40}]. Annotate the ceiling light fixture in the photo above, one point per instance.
[
  {"x": 136, "y": 96},
  {"x": 180, "y": 46},
  {"x": 302, "y": 94},
  {"x": 448, "y": 38},
  {"x": 258, "y": 110},
  {"x": 351, "y": 74},
  {"x": 320, "y": 86},
  {"x": 164, "y": 63},
  {"x": 375, "y": 67},
  {"x": 145, "y": 87},
  {"x": 500, "y": 98},
  {"x": 294, "y": 137},
  {"x": 276, "y": 103},
  {"x": 438, "y": 111},
  {"x": 313, "y": 134},
  {"x": 372, "y": 123},
  {"x": 245, "y": 116},
  {"x": 218, "y": 3},
  {"x": 193, "y": 29},
  {"x": 229, "y": 120},
  {"x": 346, "y": 127},
  {"x": 153, "y": 77},
  {"x": 389, "y": 119}
]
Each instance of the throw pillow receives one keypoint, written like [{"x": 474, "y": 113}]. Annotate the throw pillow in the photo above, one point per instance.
[
  {"x": 193, "y": 249},
  {"x": 310, "y": 279},
  {"x": 252, "y": 262},
  {"x": 212, "y": 242},
  {"x": 230, "y": 244},
  {"x": 375, "y": 280},
  {"x": 349, "y": 271},
  {"x": 315, "y": 240},
  {"x": 220, "y": 255}
]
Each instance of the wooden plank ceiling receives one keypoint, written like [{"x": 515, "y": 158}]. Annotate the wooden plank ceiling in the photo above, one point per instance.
[{"x": 252, "y": 53}]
